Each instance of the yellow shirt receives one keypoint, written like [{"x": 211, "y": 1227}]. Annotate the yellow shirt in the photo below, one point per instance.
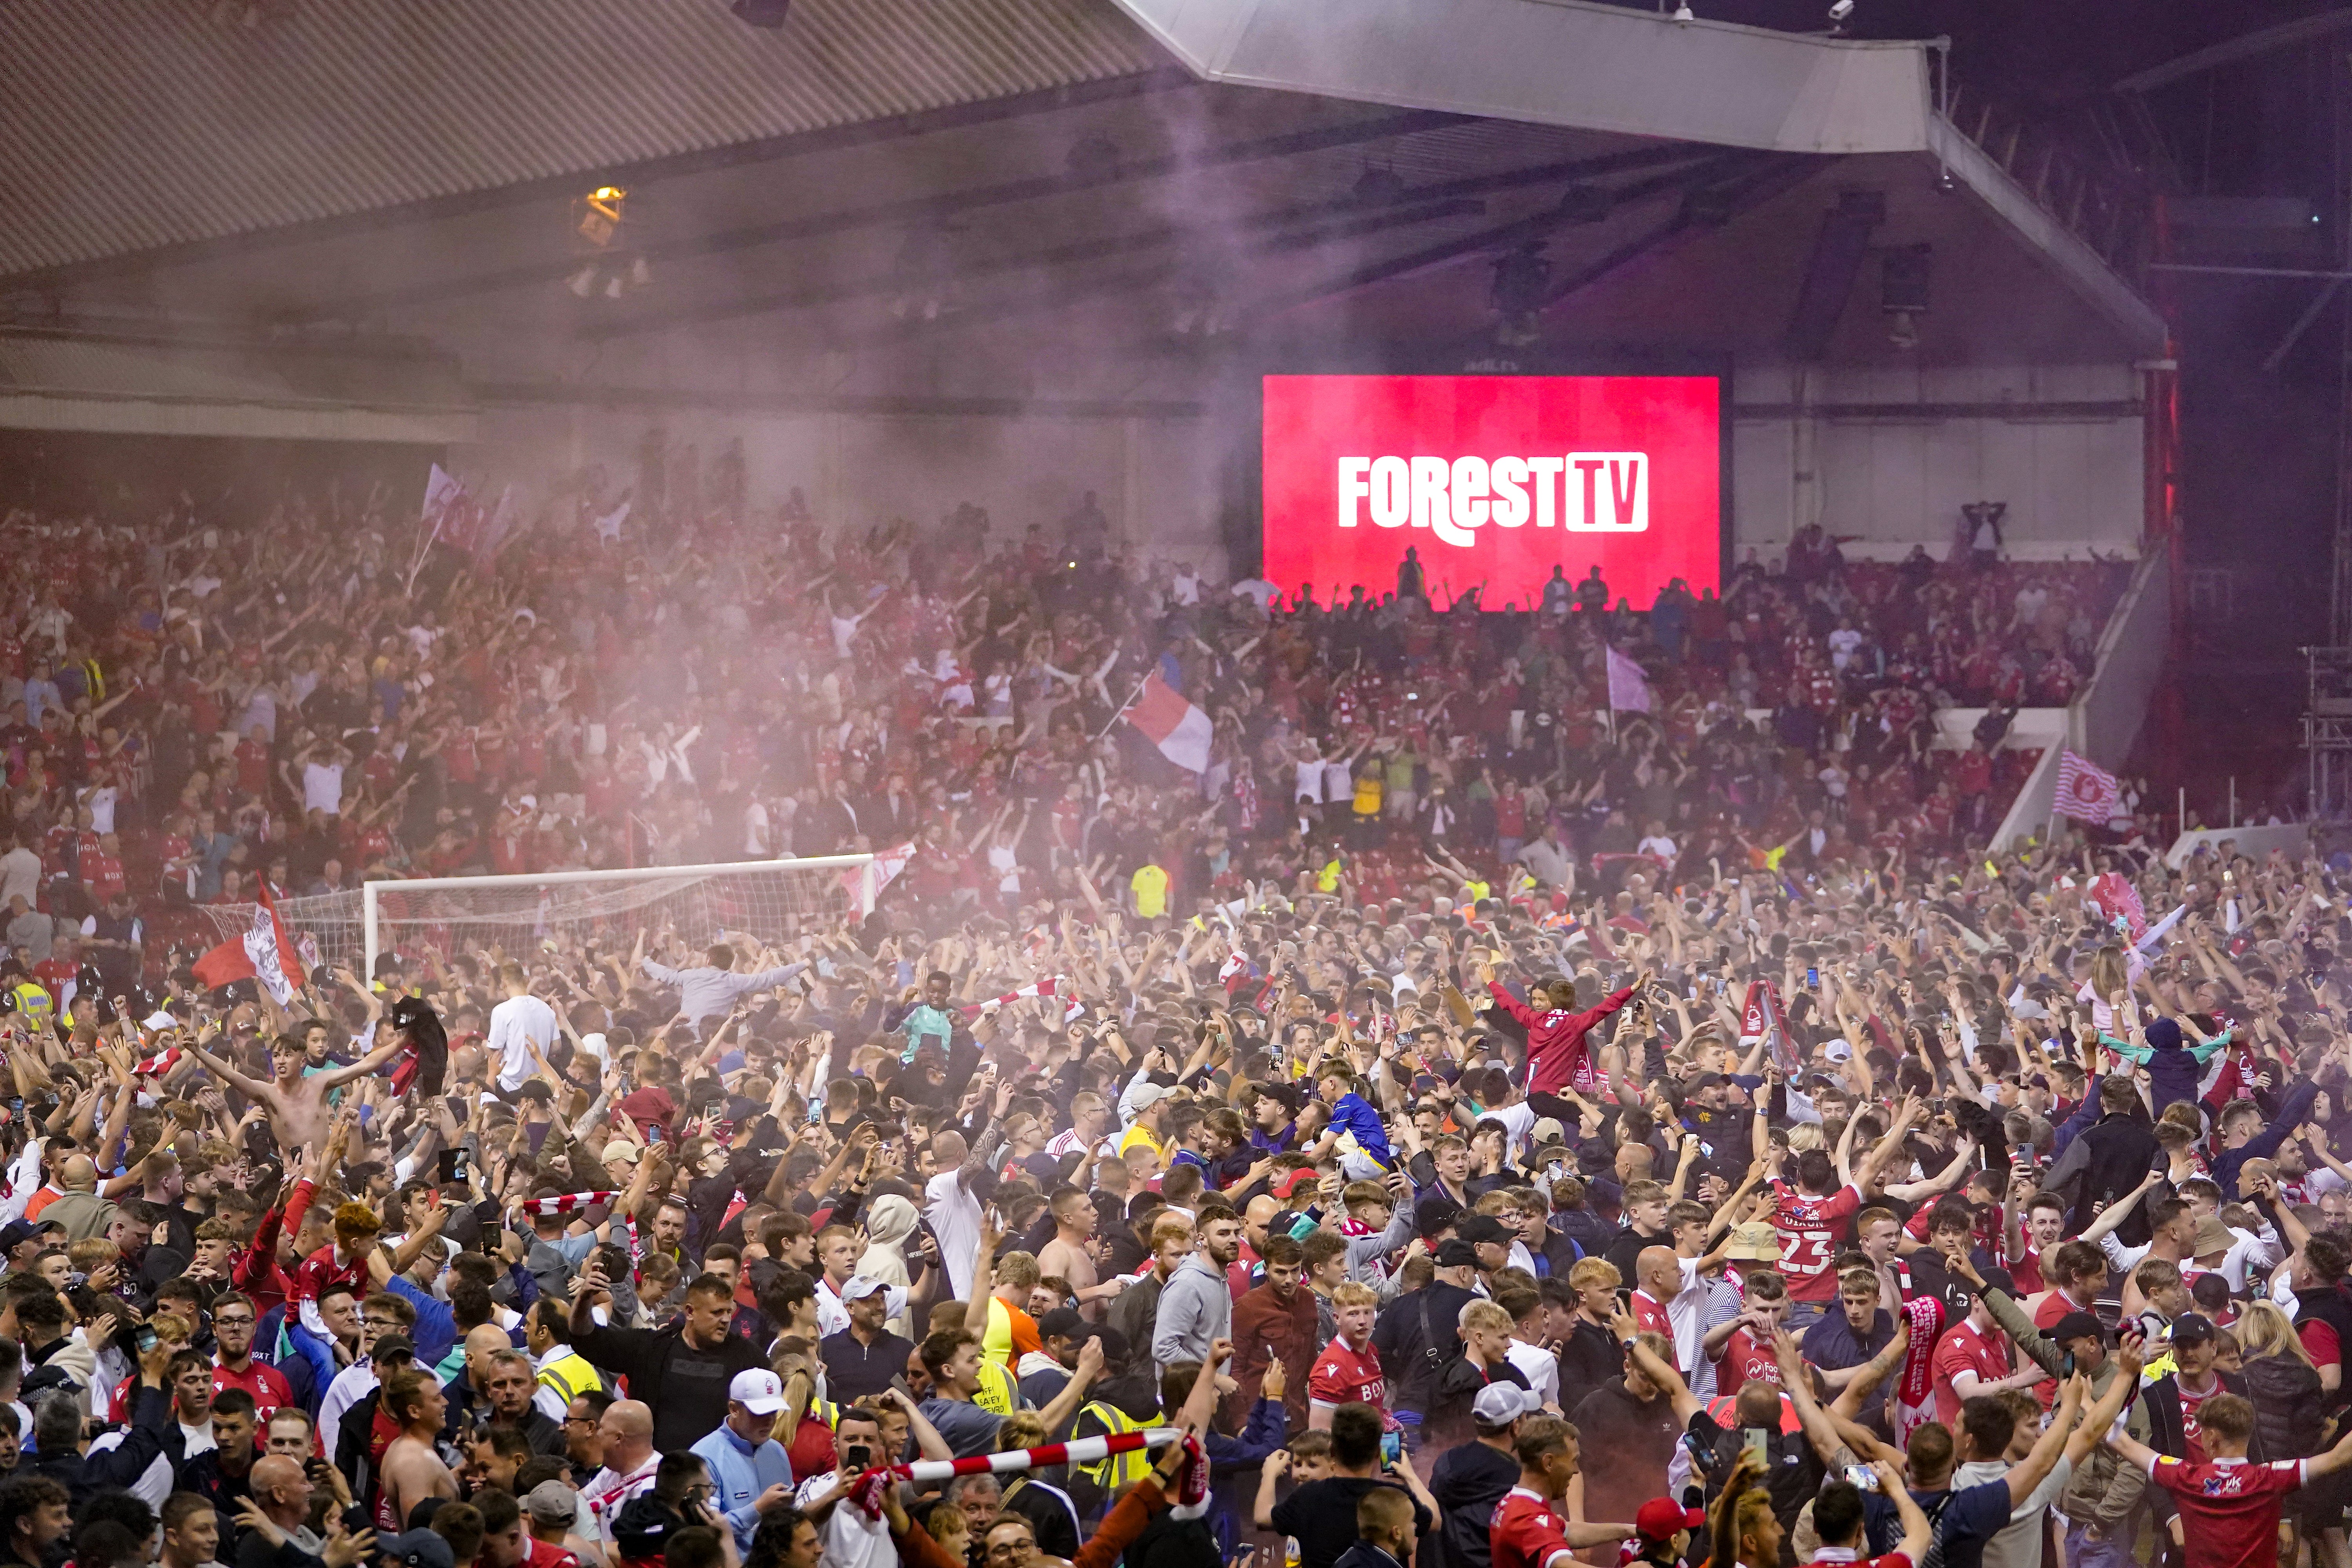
[
  {"x": 1367, "y": 796},
  {"x": 1327, "y": 879},
  {"x": 1139, "y": 1133},
  {"x": 1150, "y": 886}
]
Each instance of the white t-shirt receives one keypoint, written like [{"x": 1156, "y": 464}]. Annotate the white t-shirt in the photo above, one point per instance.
[
  {"x": 1518, "y": 1120},
  {"x": 954, "y": 1214},
  {"x": 1310, "y": 781},
  {"x": 1658, "y": 844},
  {"x": 322, "y": 788},
  {"x": 1338, "y": 783},
  {"x": 1539, "y": 1366},
  {"x": 517, "y": 1024},
  {"x": 851, "y": 1539}
]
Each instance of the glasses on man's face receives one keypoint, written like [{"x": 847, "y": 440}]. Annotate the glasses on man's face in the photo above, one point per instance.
[
  {"x": 379, "y": 1323},
  {"x": 580, "y": 1421},
  {"x": 235, "y": 1322}
]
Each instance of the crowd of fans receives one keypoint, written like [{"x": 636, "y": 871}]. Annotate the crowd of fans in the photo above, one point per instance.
[
  {"x": 1383, "y": 1111},
  {"x": 193, "y": 710}
]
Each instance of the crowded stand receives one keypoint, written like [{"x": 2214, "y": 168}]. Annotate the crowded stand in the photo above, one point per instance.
[{"x": 1479, "y": 1118}]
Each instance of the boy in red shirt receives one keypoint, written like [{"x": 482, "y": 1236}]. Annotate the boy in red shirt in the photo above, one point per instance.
[
  {"x": 2229, "y": 1508},
  {"x": 1348, "y": 1369}
]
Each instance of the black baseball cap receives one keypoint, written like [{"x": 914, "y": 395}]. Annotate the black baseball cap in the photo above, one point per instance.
[
  {"x": 2077, "y": 1326},
  {"x": 2191, "y": 1329}
]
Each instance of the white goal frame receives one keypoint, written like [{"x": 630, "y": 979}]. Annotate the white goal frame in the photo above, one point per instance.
[{"x": 868, "y": 889}]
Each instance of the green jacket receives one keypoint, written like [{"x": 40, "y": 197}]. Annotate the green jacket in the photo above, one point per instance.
[{"x": 2104, "y": 1489}]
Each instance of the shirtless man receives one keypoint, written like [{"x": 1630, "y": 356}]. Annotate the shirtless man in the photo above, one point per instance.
[
  {"x": 413, "y": 1469},
  {"x": 1069, "y": 1254},
  {"x": 297, "y": 1105}
]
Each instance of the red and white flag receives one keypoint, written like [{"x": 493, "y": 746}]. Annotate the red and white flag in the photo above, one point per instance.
[
  {"x": 160, "y": 1065},
  {"x": 262, "y": 954},
  {"x": 1052, "y": 986},
  {"x": 568, "y": 1202},
  {"x": 2114, "y": 893},
  {"x": 2086, "y": 792},
  {"x": 1179, "y": 730},
  {"x": 1629, "y": 688},
  {"x": 887, "y": 864}
]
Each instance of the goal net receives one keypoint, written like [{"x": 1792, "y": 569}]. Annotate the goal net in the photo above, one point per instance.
[{"x": 771, "y": 899}]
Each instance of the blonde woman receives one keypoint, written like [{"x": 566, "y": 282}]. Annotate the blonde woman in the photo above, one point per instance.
[
  {"x": 2281, "y": 1381},
  {"x": 2108, "y": 989}
]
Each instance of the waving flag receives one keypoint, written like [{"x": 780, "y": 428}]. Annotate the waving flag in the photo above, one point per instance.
[
  {"x": 2086, "y": 792},
  {"x": 1179, "y": 730},
  {"x": 263, "y": 954},
  {"x": 2114, "y": 893},
  {"x": 160, "y": 1065},
  {"x": 887, "y": 864},
  {"x": 567, "y": 1203},
  {"x": 1629, "y": 688},
  {"x": 1052, "y": 986}
]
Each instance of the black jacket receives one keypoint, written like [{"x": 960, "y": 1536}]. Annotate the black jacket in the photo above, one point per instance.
[
  {"x": 153, "y": 1432},
  {"x": 2116, "y": 1154},
  {"x": 688, "y": 1383}
]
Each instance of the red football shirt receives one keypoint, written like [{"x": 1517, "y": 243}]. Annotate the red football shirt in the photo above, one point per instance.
[
  {"x": 1810, "y": 1230},
  {"x": 1527, "y": 1532},
  {"x": 268, "y": 1385},
  {"x": 1344, "y": 1375},
  {"x": 1744, "y": 1359},
  {"x": 2229, "y": 1508},
  {"x": 2191, "y": 1428},
  {"x": 1962, "y": 1349}
]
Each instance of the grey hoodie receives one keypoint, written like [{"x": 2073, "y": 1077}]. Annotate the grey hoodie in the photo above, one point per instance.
[{"x": 1196, "y": 1307}]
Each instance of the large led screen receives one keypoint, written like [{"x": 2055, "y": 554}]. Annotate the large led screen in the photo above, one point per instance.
[{"x": 1494, "y": 481}]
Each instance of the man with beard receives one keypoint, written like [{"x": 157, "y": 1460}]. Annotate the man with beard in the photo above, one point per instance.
[
  {"x": 861, "y": 1359},
  {"x": 1196, "y": 1305},
  {"x": 234, "y": 1365},
  {"x": 1275, "y": 1320}
]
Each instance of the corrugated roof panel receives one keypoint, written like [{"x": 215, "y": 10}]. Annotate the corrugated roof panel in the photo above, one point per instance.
[
  {"x": 69, "y": 367},
  {"x": 135, "y": 123}
]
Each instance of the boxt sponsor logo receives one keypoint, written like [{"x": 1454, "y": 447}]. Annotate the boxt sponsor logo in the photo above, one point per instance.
[
  {"x": 1584, "y": 492},
  {"x": 1500, "y": 482}
]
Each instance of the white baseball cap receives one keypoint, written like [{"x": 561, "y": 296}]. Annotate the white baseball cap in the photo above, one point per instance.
[{"x": 758, "y": 1390}]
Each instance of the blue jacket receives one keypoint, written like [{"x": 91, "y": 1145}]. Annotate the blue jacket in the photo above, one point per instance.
[
  {"x": 1353, "y": 1115},
  {"x": 2263, "y": 1145},
  {"x": 741, "y": 1472},
  {"x": 1232, "y": 1459}
]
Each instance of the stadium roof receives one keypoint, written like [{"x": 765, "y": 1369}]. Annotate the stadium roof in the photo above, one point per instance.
[
  {"x": 134, "y": 124},
  {"x": 995, "y": 200}
]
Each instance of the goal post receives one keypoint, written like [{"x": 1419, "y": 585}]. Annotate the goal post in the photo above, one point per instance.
[
  {"x": 765, "y": 898},
  {"x": 760, "y": 897}
]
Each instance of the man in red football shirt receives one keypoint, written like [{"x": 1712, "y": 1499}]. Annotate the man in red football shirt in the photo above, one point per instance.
[
  {"x": 234, "y": 1320},
  {"x": 1813, "y": 1216},
  {"x": 2230, "y": 1509},
  {"x": 1973, "y": 1358},
  {"x": 1348, "y": 1369},
  {"x": 1531, "y": 1528}
]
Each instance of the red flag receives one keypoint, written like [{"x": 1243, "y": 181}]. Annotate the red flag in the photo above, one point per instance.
[
  {"x": 262, "y": 954},
  {"x": 2115, "y": 894}
]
